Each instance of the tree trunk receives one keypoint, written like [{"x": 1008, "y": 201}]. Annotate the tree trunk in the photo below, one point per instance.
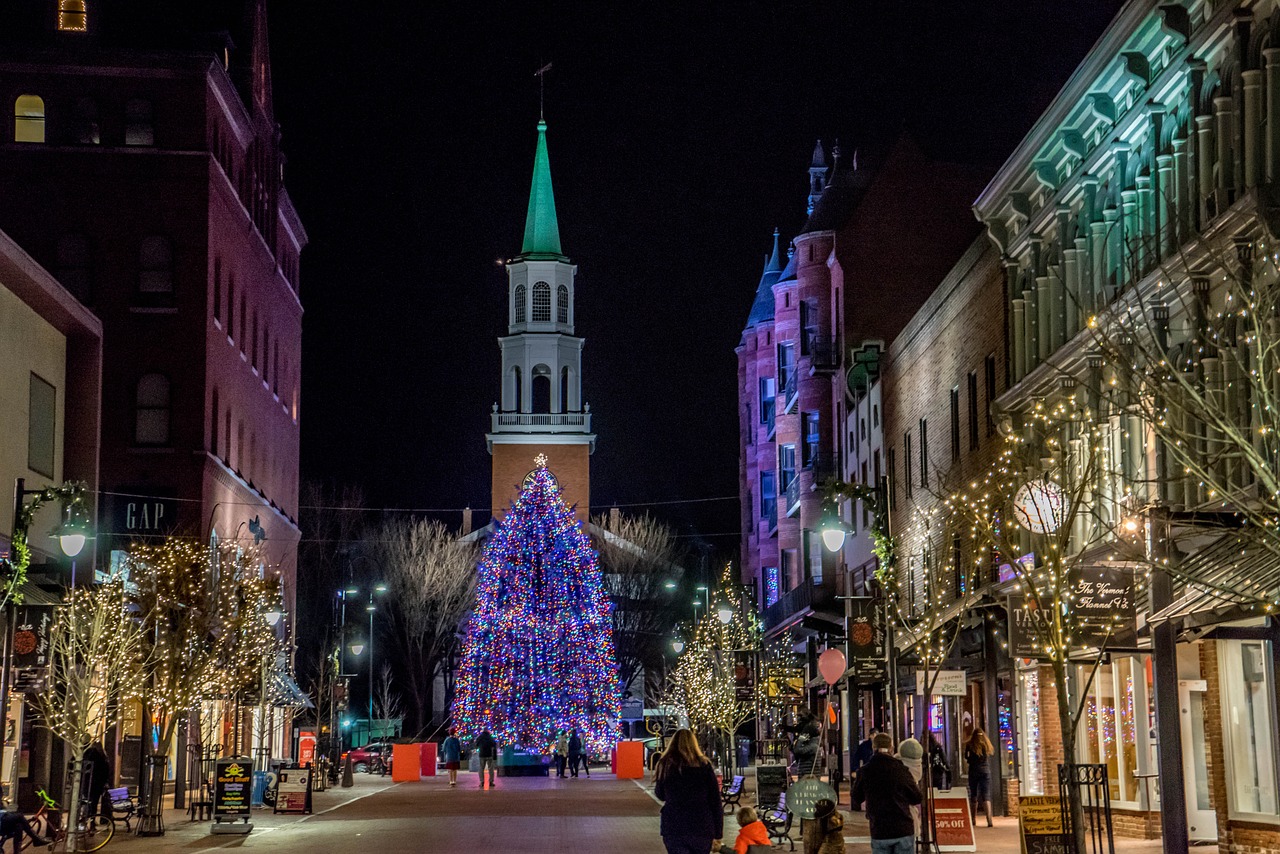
[{"x": 1066, "y": 723}]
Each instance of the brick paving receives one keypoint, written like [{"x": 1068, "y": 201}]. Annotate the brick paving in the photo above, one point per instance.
[{"x": 600, "y": 813}]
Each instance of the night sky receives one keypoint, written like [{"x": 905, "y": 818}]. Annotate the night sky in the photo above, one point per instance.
[{"x": 679, "y": 135}]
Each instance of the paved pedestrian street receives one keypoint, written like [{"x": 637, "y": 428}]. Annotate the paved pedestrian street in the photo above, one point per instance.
[{"x": 593, "y": 814}]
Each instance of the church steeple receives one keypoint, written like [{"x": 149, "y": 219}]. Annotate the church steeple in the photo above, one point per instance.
[{"x": 541, "y": 228}]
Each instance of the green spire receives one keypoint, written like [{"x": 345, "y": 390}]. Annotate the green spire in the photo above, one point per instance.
[{"x": 541, "y": 230}]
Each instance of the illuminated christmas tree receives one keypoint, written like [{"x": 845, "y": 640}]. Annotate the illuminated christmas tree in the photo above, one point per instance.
[{"x": 538, "y": 656}]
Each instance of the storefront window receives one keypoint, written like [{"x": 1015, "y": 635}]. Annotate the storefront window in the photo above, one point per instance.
[
  {"x": 1249, "y": 700},
  {"x": 1008, "y": 742},
  {"x": 1114, "y": 731},
  {"x": 1032, "y": 777}
]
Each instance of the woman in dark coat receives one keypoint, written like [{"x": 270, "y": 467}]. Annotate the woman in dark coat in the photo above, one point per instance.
[
  {"x": 804, "y": 748},
  {"x": 939, "y": 770},
  {"x": 692, "y": 815}
]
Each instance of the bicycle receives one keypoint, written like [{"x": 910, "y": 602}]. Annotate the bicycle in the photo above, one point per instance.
[{"x": 91, "y": 834}]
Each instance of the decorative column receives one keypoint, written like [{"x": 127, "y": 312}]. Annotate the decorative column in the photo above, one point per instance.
[
  {"x": 1166, "y": 206},
  {"x": 1252, "y": 127},
  {"x": 1272, "y": 58},
  {"x": 1204, "y": 167},
  {"x": 1224, "y": 117},
  {"x": 1145, "y": 243},
  {"x": 1098, "y": 263},
  {"x": 1114, "y": 280},
  {"x": 1032, "y": 322},
  {"x": 1071, "y": 299},
  {"x": 1044, "y": 318},
  {"x": 1129, "y": 233},
  {"x": 1019, "y": 339}
]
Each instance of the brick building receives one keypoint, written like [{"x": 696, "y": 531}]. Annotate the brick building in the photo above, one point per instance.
[{"x": 143, "y": 167}]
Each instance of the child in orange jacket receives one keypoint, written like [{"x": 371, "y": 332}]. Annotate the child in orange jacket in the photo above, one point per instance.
[{"x": 752, "y": 832}]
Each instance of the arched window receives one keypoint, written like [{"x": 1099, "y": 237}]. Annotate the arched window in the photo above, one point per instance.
[
  {"x": 72, "y": 16},
  {"x": 520, "y": 303},
  {"x": 73, "y": 265},
  {"x": 541, "y": 303},
  {"x": 138, "y": 129},
  {"x": 562, "y": 304},
  {"x": 28, "y": 119},
  {"x": 155, "y": 266},
  {"x": 151, "y": 423},
  {"x": 541, "y": 389}
]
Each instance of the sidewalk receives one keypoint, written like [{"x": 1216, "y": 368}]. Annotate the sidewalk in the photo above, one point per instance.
[{"x": 186, "y": 835}]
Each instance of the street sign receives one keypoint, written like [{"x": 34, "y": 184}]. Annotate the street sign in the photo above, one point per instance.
[
  {"x": 1040, "y": 823},
  {"x": 946, "y": 683}
]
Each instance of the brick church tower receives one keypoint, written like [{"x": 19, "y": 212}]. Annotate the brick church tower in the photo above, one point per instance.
[{"x": 542, "y": 412}]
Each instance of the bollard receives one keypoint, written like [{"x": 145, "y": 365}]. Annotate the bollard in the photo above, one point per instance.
[{"x": 348, "y": 775}]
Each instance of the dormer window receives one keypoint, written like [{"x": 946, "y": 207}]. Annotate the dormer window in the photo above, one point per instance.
[
  {"x": 72, "y": 16},
  {"x": 541, "y": 303}
]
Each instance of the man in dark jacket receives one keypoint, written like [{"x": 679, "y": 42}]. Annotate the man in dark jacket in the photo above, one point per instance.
[
  {"x": 885, "y": 784},
  {"x": 576, "y": 755},
  {"x": 861, "y": 756},
  {"x": 487, "y": 750}
]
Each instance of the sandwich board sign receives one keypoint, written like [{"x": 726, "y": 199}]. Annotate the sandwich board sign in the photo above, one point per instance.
[
  {"x": 953, "y": 823},
  {"x": 1040, "y": 825}
]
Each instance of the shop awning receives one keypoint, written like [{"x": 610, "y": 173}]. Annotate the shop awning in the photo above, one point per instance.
[
  {"x": 284, "y": 690},
  {"x": 1235, "y": 577},
  {"x": 907, "y": 638}
]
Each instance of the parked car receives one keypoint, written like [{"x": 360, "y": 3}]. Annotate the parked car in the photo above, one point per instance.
[{"x": 369, "y": 757}]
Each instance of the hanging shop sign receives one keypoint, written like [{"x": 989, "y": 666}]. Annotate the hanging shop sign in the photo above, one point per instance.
[
  {"x": 1040, "y": 824},
  {"x": 1103, "y": 596},
  {"x": 1041, "y": 506},
  {"x": 946, "y": 683},
  {"x": 134, "y": 516},
  {"x": 803, "y": 797},
  {"x": 744, "y": 676},
  {"x": 867, "y": 639},
  {"x": 31, "y": 635},
  {"x": 1029, "y": 628}
]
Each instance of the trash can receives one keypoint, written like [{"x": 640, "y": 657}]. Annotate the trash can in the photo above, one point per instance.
[
  {"x": 259, "y": 788},
  {"x": 744, "y": 752}
]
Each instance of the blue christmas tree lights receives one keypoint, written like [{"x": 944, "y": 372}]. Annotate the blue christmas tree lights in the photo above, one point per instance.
[{"x": 538, "y": 655}]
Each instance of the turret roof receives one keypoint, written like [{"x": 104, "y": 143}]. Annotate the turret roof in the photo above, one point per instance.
[{"x": 762, "y": 308}]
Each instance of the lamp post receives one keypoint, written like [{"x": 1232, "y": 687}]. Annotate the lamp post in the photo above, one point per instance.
[{"x": 357, "y": 648}]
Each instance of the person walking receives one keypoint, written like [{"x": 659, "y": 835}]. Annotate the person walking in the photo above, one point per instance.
[
  {"x": 577, "y": 754},
  {"x": 939, "y": 770},
  {"x": 824, "y": 834},
  {"x": 977, "y": 755},
  {"x": 692, "y": 820},
  {"x": 861, "y": 756},
  {"x": 888, "y": 791},
  {"x": 451, "y": 753},
  {"x": 909, "y": 754},
  {"x": 562, "y": 753},
  {"x": 487, "y": 750}
]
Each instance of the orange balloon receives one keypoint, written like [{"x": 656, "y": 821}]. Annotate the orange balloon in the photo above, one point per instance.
[{"x": 831, "y": 714}]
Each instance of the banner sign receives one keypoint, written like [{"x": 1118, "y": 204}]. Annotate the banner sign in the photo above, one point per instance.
[
  {"x": 232, "y": 787},
  {"x": 1040, "y": 824},
  {"x": 954, "y": 824},
  {"x": 293, "y": 790},
  {"x": 946, "y": 683},
  {"x": 306, "y": 747},
  {"x": 867, "y": 641},
  {"x": 31, "y": 635},
  {"x": 744, "y": 676}
]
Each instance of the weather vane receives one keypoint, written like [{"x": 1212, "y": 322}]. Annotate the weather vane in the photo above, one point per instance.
[{"x": 541, "y": 74}]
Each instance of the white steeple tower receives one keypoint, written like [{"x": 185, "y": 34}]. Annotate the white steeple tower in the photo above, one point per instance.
[{"x": 542, "y": 410}]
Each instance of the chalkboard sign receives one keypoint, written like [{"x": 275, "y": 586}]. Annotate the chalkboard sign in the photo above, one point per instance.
[
  {"x": 232, "y": 788},
  {"x": 771, "y": 782},
  {"x": 1040, "y": 820}
]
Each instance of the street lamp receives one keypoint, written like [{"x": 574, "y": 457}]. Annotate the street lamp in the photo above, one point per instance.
[
  {"x": 697, "y": 603},
  {"x": 670, "y": 585},
  {"x": 678, "y": 646},
  {"x": 702, "y": 588},
  {"x": 833, "y": 530},
  {"x": 724, "y": 614}
]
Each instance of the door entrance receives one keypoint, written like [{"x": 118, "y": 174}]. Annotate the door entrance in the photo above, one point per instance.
[{"x": 1202, "y": 821}]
